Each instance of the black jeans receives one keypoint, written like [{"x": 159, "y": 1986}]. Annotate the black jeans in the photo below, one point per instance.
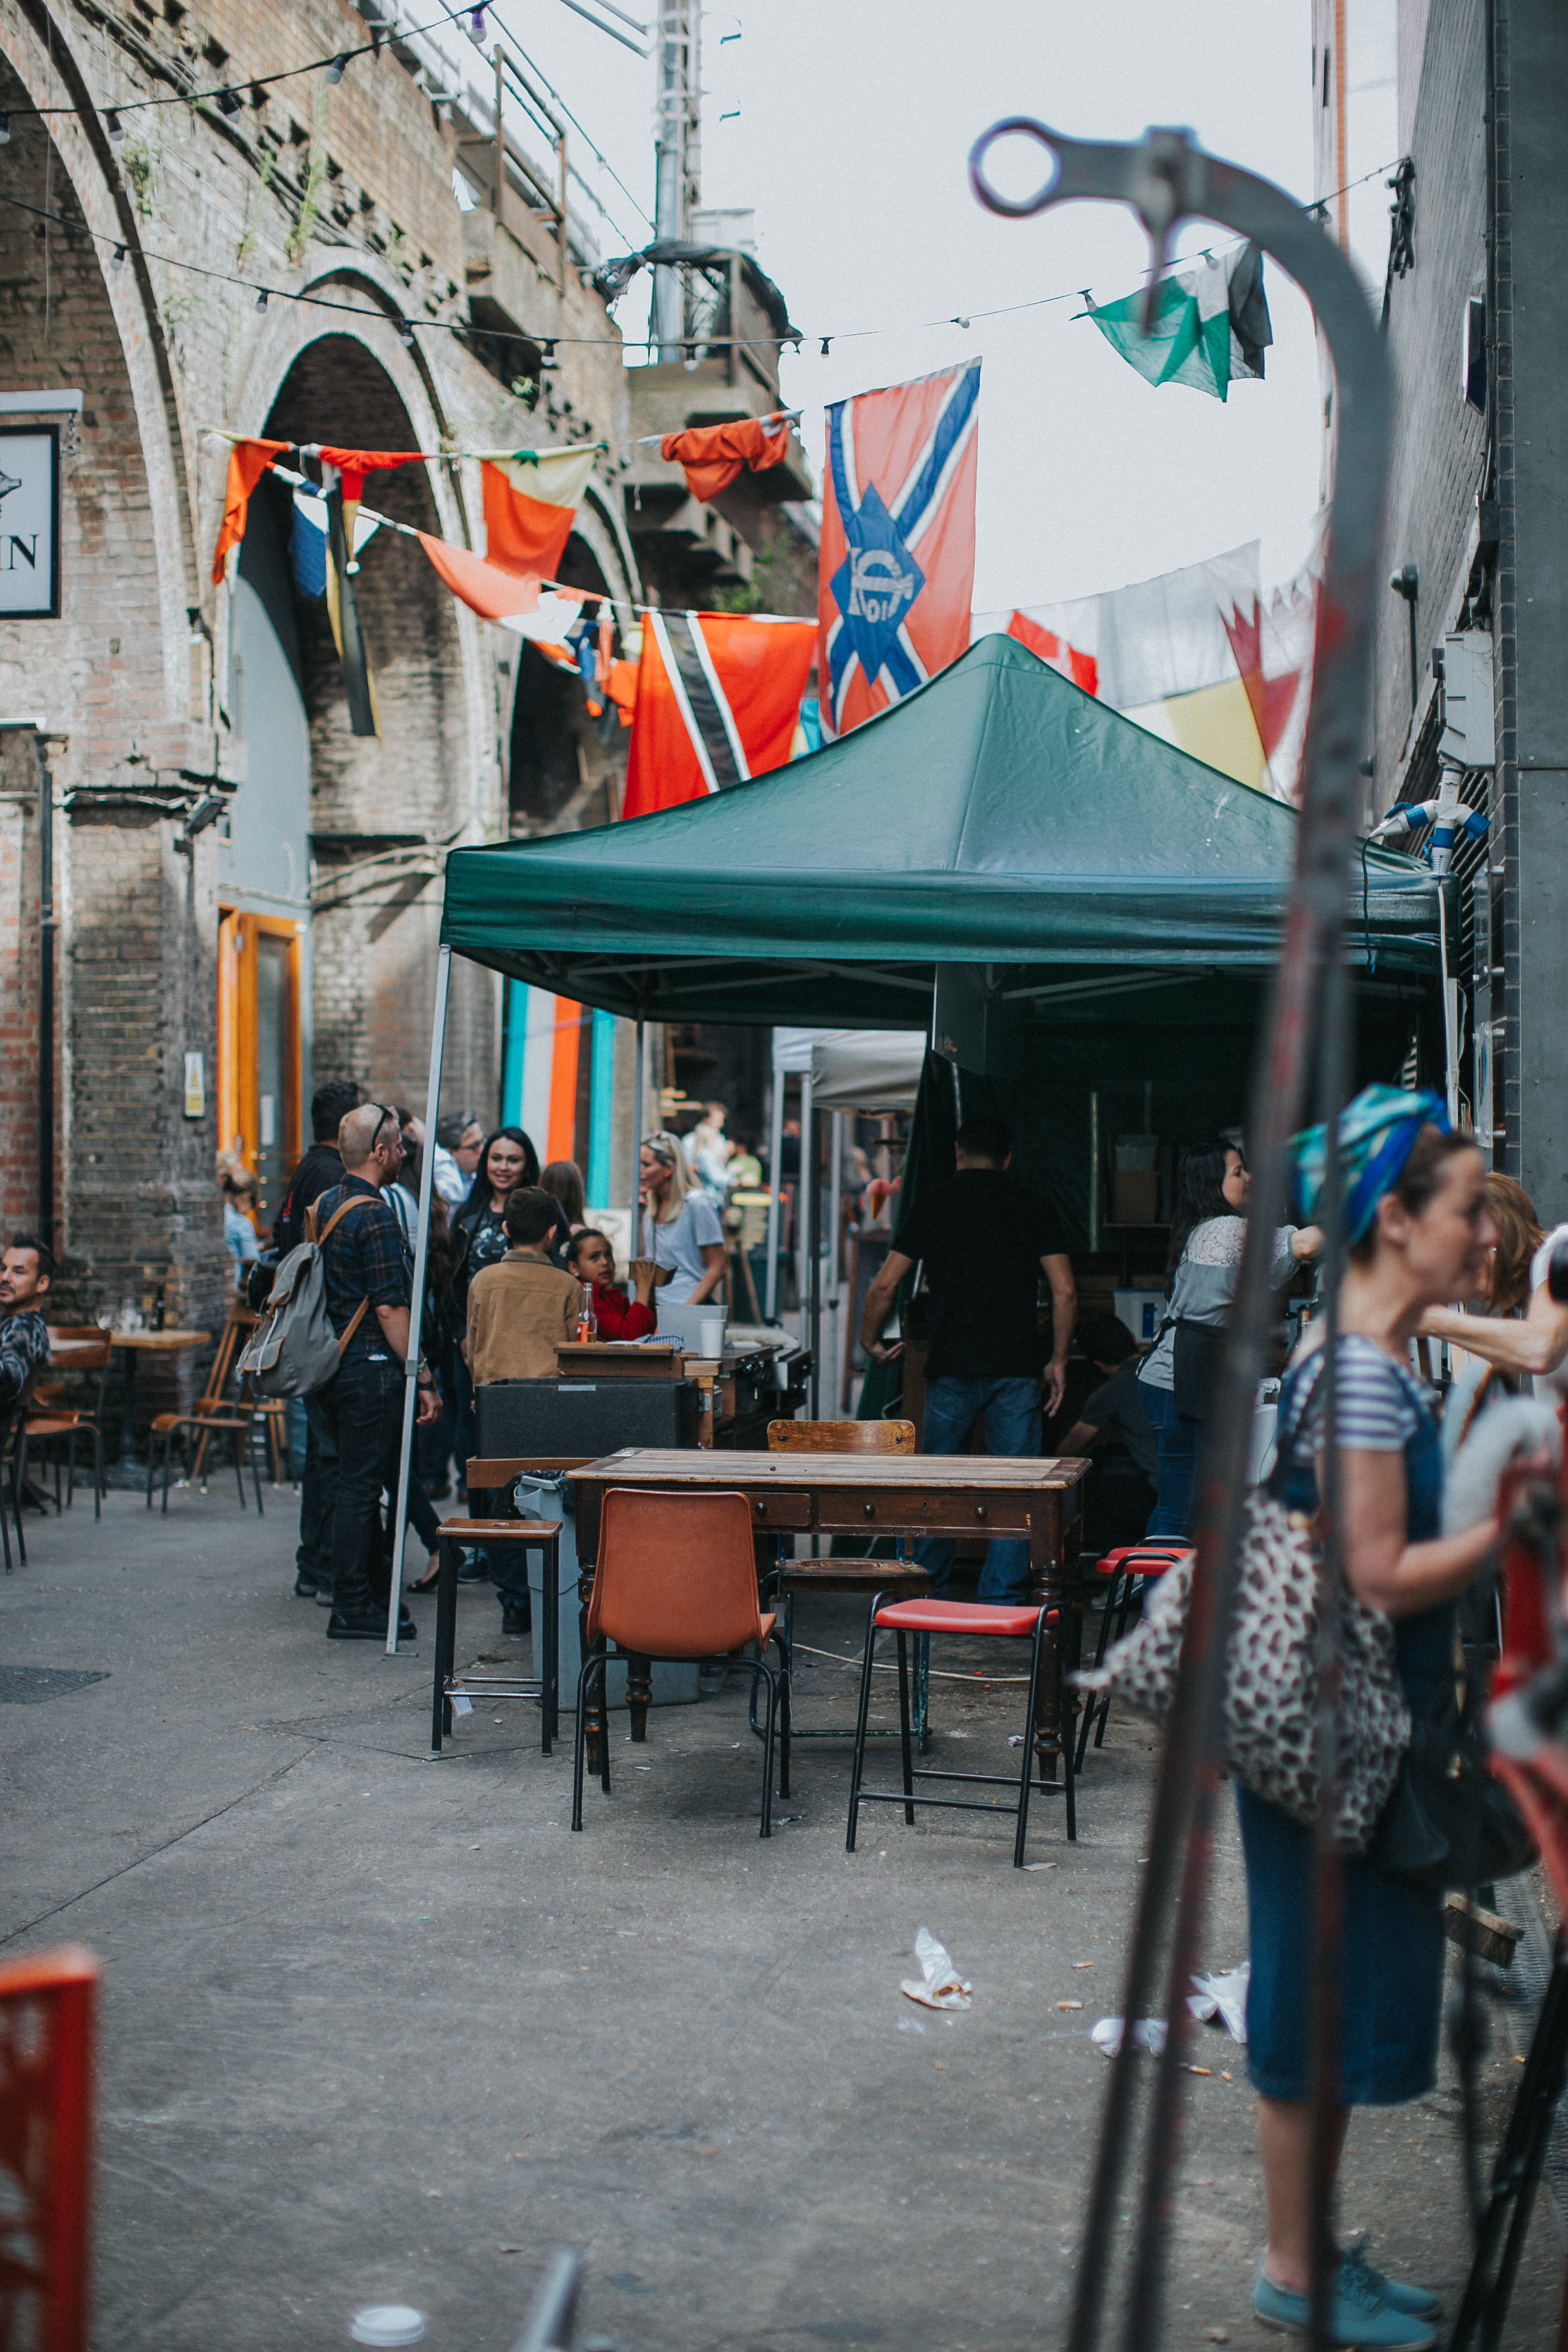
[
  {"x": 361, "y": 1406},
  {"x": 317, "y": 1499}
]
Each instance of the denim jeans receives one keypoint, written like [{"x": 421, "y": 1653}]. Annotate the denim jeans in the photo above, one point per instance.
[
  {"x": 1012, "y": 1411},
  {"x": 361, "y": 1406},
  {"x": 1176, "y": 1445},
  {"x": 318, "y": 1498}
]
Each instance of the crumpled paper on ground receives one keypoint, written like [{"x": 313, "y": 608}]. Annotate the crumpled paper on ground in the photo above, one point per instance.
[
  {"x": 1149, "y": 2033},
  {"x": 939, "y": 1985},
  {"x": 1223, "y": 1996}
]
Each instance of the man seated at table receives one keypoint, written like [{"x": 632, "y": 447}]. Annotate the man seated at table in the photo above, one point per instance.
[
  {"x": 983, "y": 1241},
  {"x": 1120, "y": 1492},
  {"x": 25, "y": 1272},
  {"x": 521, "y": 1310}
]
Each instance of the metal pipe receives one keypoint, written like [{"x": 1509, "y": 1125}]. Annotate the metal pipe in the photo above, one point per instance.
[
  {"x": 416, "y": 1303},
  {"x": 47, "y": 927},
  {"x": 1165, "y": 178},
  {"x": 1093, "y": 1172},
  {"x": 811, "y": 1223},
  {"x": 835, "y": 1237},
  {"x": 639, "y": 1090},
  {"x": 775, "y": 1186}
]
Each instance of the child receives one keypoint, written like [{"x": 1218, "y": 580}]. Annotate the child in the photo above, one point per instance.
[{"x": 591, "y": 1258}]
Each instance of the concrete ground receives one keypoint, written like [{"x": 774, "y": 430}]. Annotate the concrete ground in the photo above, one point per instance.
[{"x": 399, "y": 2056}]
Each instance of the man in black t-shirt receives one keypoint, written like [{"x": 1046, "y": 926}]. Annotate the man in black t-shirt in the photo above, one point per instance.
[{"x": 984, "y": 1241}]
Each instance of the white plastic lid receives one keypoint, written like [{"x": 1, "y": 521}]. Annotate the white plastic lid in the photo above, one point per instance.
[{"x": 388, "y": 2323}]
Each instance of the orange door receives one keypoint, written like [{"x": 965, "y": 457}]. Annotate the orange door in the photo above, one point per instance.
[{"x": 258, "y": 1082}]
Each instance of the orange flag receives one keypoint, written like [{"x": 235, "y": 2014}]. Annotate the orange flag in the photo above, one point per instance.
[
  {"x": 248, "y": 461},
  {"x": 484, "y": 587},
  {"x": 711, "y": 456},
  {"x": 718, "y": 697}
]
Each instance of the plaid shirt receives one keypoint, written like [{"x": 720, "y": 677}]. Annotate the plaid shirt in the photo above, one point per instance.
[
  {"x": 363, "y": 1259},
  {"x": 24, "y": 1347}
]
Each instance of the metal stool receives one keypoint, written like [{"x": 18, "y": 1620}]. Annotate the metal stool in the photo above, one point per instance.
[
  {"x": 545, "y": 1536},
  {"x": 1154, "y": 1557},
  {"x": 903, "y": 1618}
]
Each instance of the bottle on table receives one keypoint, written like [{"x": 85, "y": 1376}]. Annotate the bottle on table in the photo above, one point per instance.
[{"x": 588, "y": 1321}]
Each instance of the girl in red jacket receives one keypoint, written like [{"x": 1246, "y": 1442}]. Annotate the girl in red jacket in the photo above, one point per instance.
[{"x": 591, "y": 1258}]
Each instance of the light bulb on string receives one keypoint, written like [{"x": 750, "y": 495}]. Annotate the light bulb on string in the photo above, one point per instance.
[
  {"x": 261, "y": 298},
  {"x": 477, "y": 26},
  {"x": 337, "y": 70},
  {"x": 229, "y": 102},
  {"x": 113, "y": 125},
  {"x": 5, "y": 130}
]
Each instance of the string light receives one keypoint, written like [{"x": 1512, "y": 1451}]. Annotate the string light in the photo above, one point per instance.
[
  {"x": 477, "y": 26},
  {"x": 113, "y": 124},
  {"x": 5, "y": 130},
  {"x": 117, "y": 256},
  {"x": 406, "y": 333},
  {"x": 229, "y": 102},
  {"x": 261, "y": 298},
  {"x": 337, "y": 68}
]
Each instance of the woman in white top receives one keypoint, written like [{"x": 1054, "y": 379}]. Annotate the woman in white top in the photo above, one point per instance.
[
  {"x": 682, "y": 1226},
  {"x": 1206, "y": 1244},
  {"x": 1515, "y": 1344}
]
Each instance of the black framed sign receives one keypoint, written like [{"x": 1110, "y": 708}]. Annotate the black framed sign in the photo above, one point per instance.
[{"x": 29, "y": 522}]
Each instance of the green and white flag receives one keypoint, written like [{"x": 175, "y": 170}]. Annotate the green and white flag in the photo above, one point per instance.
[{"x": 1211, "y": 324}]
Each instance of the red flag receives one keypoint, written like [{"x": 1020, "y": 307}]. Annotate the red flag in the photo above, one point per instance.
[
  {"x": 355, "y": 463},
  {"x": 248, "y": 461},
  {"x": 898, "y": 541},
  {"x": 1082, "y": 668},
  {"x": 530, "y": 505},
  {"x": 486, "y": 589},
  {"x": 713, "y": 456},
  {"x": 718, "y": 697}
]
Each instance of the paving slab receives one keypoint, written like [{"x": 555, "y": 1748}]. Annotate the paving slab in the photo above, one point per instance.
[{"x": 378, "y": 2028}]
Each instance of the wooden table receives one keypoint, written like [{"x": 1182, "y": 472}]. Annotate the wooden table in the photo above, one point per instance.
[
  {"x": 134, "y": 1343},
  {"x": 831, "y": 1495}
]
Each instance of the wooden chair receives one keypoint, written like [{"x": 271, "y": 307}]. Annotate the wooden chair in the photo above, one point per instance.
[
  {"x": 675, "y": 1578},
  {"x": 53, "y": 1417},
  {"x": 11, "y": 1425},
  {"x": 898, "y": 1579},
  {"x": 215, "y": 1413}
]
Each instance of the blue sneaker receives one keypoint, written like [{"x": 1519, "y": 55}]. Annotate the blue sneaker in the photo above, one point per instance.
[
  {"x": 1419, "y": 2301},
  {"x": 1361, "y": 2314}
]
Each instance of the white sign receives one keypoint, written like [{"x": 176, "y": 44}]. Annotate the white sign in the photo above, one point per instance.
[
  {"x": 29, "y": 522},
  {"x": 195, "y": 1086}
]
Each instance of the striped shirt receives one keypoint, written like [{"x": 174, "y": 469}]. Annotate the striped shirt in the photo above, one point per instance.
[{"x": 1379, "y": 1405}]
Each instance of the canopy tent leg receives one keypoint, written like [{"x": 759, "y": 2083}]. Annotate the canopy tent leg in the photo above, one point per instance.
[
  {"x": 775, "y": 1182},
  {"x": 416, "y": 1304},
  {"x": 639, "y": 1091},
  {"x": 835, "y": 1238},
  {"x": 810, "y": 1218}
]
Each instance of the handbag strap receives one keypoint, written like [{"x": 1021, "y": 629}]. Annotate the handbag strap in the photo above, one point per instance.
[{"x": 1285, "y": 1437}]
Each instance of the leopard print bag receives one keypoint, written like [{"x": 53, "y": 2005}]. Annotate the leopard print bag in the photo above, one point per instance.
[{"x": 1269, "y": 1707}]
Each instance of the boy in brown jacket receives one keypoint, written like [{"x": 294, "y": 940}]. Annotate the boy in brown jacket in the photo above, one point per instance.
[{"x": 521, "y": 1308}]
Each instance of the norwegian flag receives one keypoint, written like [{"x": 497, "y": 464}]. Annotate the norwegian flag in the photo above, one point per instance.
[{"x": 898, "y": 541}]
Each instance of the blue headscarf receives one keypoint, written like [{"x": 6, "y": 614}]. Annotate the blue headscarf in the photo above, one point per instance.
[{"x": 1377, "y": 1134}]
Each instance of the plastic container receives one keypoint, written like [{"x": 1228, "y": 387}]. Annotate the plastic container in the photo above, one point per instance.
[
  {"x": 1141, "y": 1310},
  {"x": 710, "y": 1325},
  {"x": 388, "y": 2323}
]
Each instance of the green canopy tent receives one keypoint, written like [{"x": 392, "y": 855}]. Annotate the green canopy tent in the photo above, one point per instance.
[{"x": 1115, "y": 905}]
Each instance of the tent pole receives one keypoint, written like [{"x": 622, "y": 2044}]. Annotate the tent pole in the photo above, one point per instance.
[
  {"x": 811, "y": 1218},
  {"x": 836, "y": 1235},
  {"x": 640, "y": 1088},
  {"x": 416, "y": 1303},
  {"x": 776, "y": 1183}
]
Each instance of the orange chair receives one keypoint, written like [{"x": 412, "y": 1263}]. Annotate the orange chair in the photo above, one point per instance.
[{"x": 675, "y": 1578}]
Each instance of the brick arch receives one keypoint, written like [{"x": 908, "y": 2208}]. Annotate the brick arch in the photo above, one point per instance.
[
  {"x": 124, "y": 341},
  {"x": 375, "y": 924}
]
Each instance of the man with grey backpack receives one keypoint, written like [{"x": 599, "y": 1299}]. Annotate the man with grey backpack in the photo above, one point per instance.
[{"x": 367, "y": 1301}]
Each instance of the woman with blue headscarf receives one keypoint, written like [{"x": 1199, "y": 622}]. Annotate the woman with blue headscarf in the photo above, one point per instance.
[{"x": 1416, "y": 1224}]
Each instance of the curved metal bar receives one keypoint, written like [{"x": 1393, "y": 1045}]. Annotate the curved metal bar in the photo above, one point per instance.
[{"x": 1166, "y": 178}]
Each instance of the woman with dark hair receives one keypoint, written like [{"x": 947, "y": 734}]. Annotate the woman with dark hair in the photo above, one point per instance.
[
  {"x": 562, "y": 1180},
  {"x": 508, "y": 1160},
  {"x": 1207, "y": 1236},
  {"x": 1416, "y": 1227}
]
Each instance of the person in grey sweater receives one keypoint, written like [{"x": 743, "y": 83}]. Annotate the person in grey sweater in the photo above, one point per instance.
[{"x": 1206, "y": 1244}]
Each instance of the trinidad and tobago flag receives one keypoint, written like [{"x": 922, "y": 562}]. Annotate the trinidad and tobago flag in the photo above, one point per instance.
[
  {"x": 898, "y": 541},
  {"x": 717, "y": 700}
]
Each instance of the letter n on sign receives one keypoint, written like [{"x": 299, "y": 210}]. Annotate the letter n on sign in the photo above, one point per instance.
[
  {"x": 29, "y": 522},
  {"x": 46, "y": 2005}
]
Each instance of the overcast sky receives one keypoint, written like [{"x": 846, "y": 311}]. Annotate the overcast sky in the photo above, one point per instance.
[{"x": 854, "y": 118}]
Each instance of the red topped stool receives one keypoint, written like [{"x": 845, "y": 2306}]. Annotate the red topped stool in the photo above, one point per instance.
[
  {"x": 1154, "y": 1557},
  {"x": 1026, "y": 1622}
]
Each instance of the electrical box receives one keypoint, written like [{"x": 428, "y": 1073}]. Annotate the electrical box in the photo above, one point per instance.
[{"x": 1468, "y": 737}]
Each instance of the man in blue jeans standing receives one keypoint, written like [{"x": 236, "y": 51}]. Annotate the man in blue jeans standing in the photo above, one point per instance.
[
  {"x": 984, "y": 1241},
  {"x": 361, "y": 1406}
]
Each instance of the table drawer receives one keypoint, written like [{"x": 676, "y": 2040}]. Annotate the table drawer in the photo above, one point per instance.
[
  {"x": 781, "y": 1510},
  {"x": 999, "y": 1515}
]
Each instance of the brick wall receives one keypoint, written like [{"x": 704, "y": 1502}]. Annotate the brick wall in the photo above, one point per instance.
[{"x": 1439, "y": 451}]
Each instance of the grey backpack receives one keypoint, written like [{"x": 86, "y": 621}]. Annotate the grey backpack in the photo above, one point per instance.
[{"x": 294, "y": 1349}]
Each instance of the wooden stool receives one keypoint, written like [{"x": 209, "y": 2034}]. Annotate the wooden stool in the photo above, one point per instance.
[{"x": 544, "y": 1534}]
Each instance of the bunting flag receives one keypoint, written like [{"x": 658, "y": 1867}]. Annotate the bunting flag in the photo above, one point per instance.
[
  {"x": 718, "y": 697},
  {"x": 485, "y": 588},
  {"x": 898, "y": 541},
  {"x": 1211, "y": 324},
  {"x": 1198, "y": 656},
  {"x": 530, "y": 503},
  {"x": 354, "y": 465},
  {"x": 713, "y": 456},
  {"x": 1055, "y": 651},
  {"x": 343, "y": 611},
  {"x": 248, "y": 461}
]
